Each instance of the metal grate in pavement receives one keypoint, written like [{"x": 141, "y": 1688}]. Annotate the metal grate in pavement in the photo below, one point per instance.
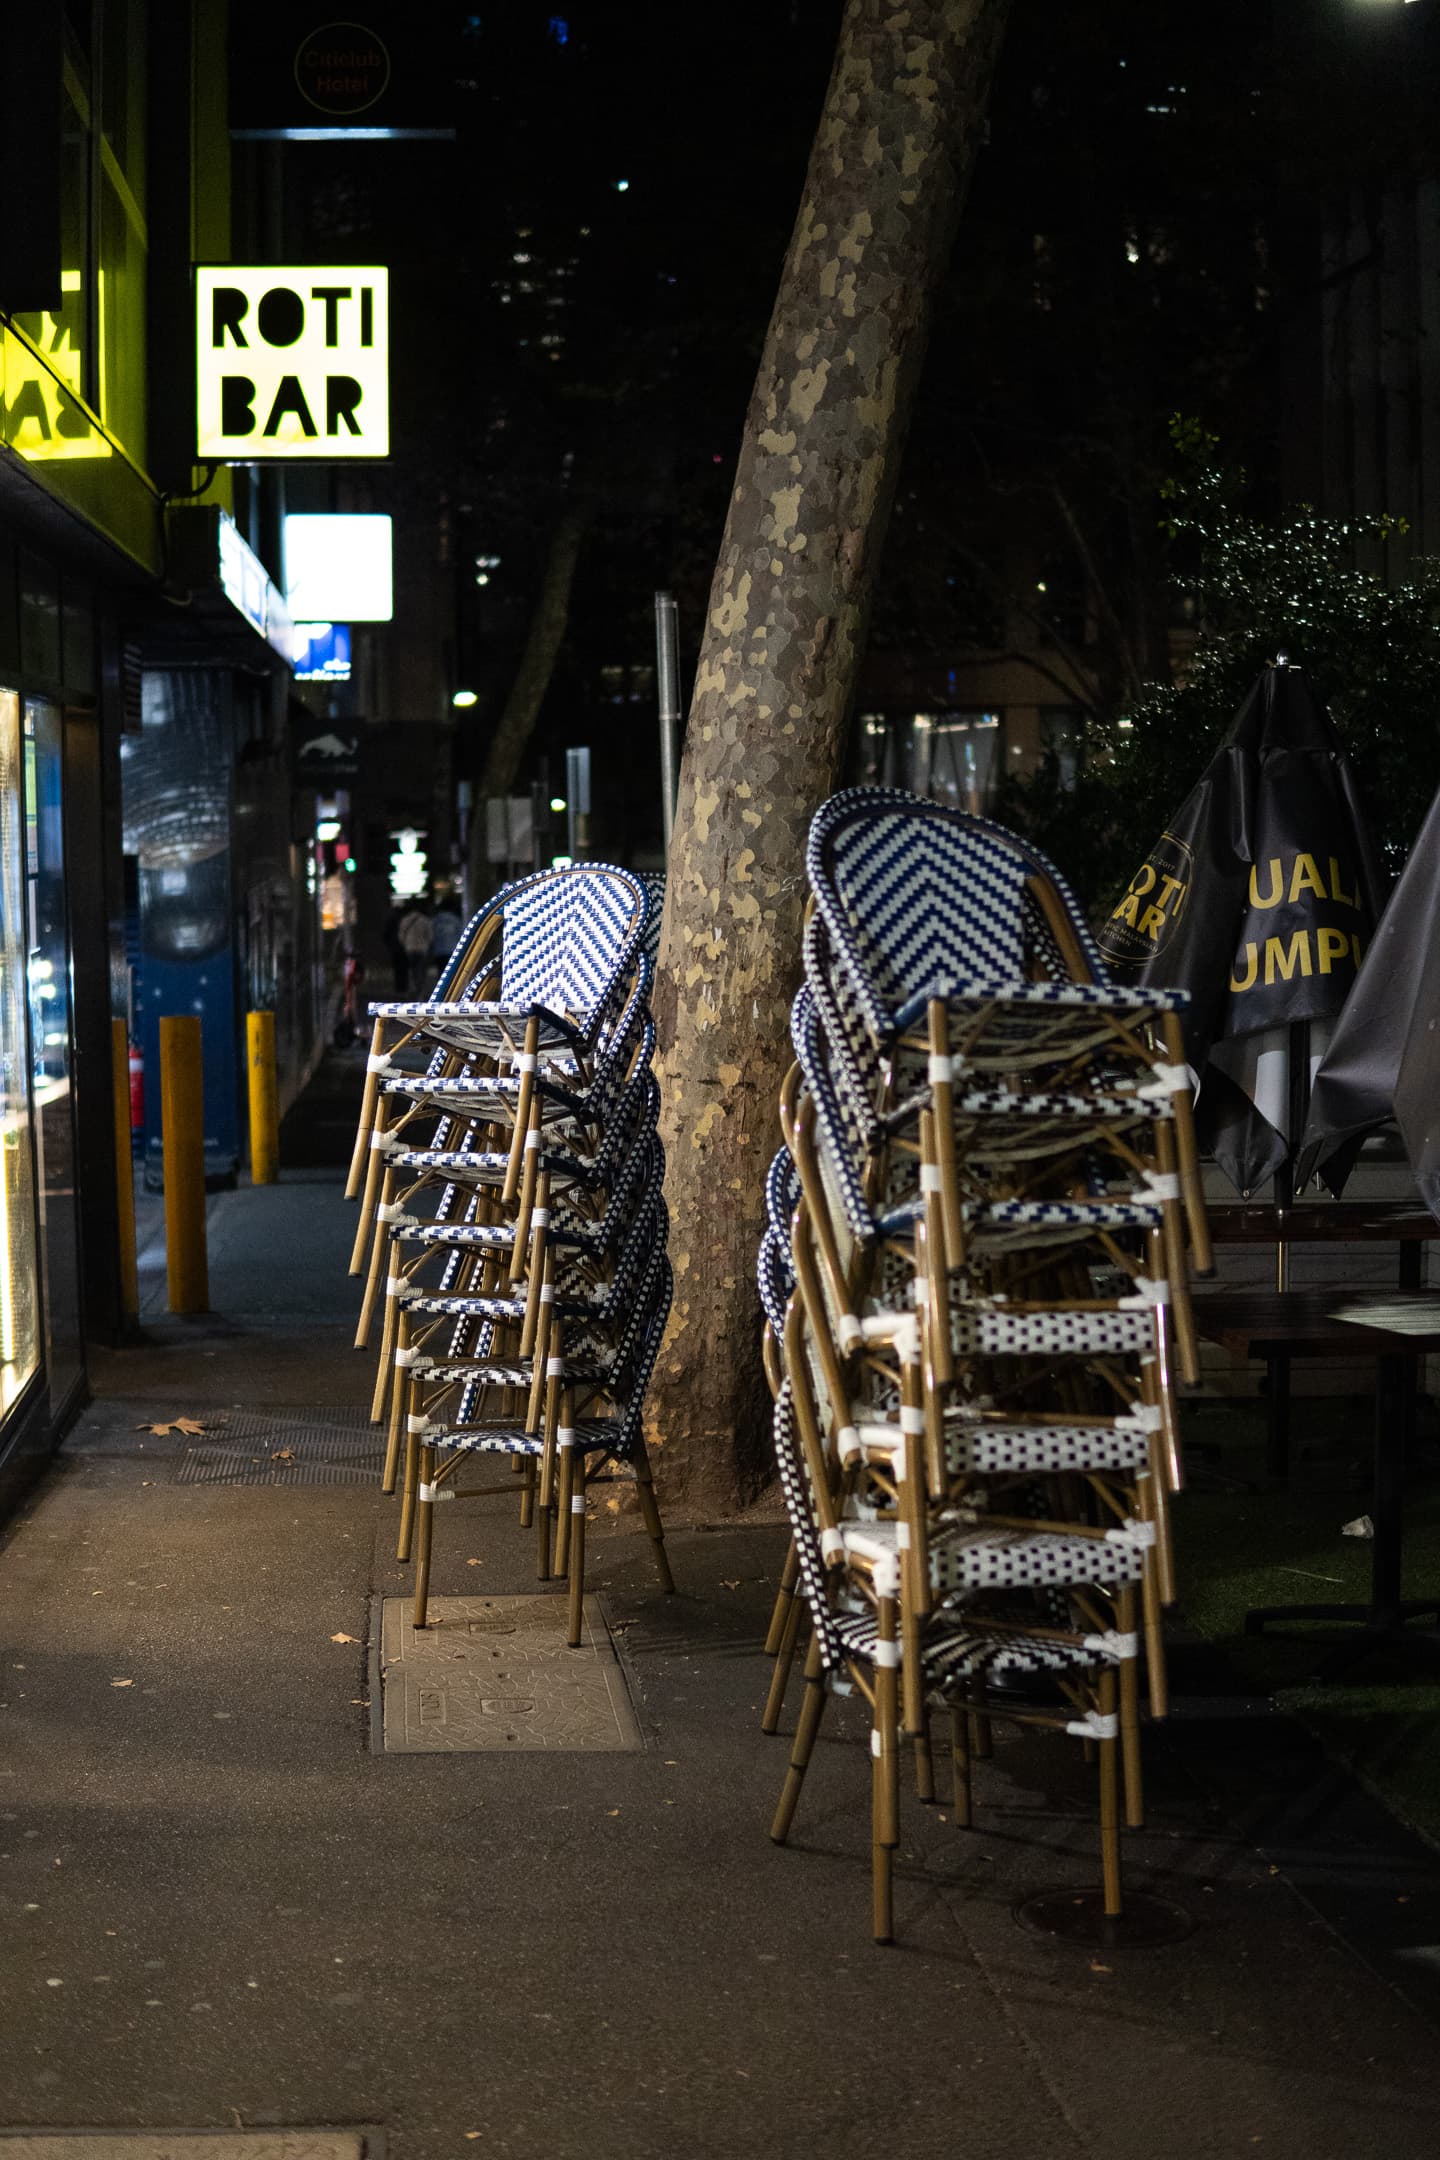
[
  {"x": 496, "y": 1676},
  {"x": 284, "y": 1447}
]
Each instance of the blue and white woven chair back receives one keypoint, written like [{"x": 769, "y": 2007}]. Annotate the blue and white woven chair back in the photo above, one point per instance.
[
  {"x": 841, "y": 1142},
  {"x": 774, "y": 1279},
  {"x": 571, "y": 937},
  {"x": 800, "y": 1507},
  {"x": 916, "y": 905}
]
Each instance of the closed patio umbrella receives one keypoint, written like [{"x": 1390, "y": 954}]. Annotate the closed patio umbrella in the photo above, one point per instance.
[
  {"x": 1383, "y": 1059},
  {"x": 1259, "y": 899}
]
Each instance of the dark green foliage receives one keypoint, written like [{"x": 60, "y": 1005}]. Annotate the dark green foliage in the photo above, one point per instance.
[{"x": 1257, "y": 589}]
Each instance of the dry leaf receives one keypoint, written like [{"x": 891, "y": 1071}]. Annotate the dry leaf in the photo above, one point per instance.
[
  {"x": 344, "y": 1638},
  {"x": 122, "y": 1683},
  {"x": 612, "y": 1810},
  {"x": 179, "y": 1424},
  {"x": 729, "y": 1585},
  {"x": 1096, "y": 1966},
  {"x": 473, "y": 1563},
  {"x": 282, "y": 1454}
]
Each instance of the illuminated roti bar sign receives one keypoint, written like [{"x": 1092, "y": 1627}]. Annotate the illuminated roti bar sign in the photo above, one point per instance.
[{"x": 291, "y": 363}]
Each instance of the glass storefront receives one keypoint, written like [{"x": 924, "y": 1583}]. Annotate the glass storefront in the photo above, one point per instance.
[
  {"x": 51, "y": 1043},
  {"x": 19, "y": 1268}
]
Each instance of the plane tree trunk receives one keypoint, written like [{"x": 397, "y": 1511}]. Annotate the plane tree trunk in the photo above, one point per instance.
[{"x": 903, "y": 117}]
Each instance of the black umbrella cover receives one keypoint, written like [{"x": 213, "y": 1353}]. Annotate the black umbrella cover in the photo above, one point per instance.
[
  {"x": 1260, "y": 899},
  {"x": 1384, "y": 1056}
]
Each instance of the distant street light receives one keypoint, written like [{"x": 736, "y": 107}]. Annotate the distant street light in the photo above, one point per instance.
[{"x": 466, "y": 697}]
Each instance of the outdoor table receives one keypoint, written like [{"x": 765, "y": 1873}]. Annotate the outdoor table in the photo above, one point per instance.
[
  {"x": 1320, "y": 1222},
  {"x": 1303, "y": 1323}
]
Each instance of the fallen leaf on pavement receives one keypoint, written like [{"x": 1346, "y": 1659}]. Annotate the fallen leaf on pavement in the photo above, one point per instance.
[
  {"x": 612, "y": 1810},
  {"x": 179, "y": 1424},
  {"x": 729, "y": 1585},
  {"x": 344, "y": 1638},
  {"x": 282, "y": 1454},
  {"x": 122, "y": 1683},
  {"x": 1096, "y": 1966},
  {"x": 473, "y": 1563}
]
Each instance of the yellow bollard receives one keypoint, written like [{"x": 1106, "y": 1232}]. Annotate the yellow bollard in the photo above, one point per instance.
[
  {"x": 182, "y": 1126},
  {"x": 264, "y": 1098},
  {"x": 124, "y": 1169}
]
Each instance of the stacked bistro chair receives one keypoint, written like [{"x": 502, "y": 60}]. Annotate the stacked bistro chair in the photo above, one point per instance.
[
  {"x": 974, "y": 1277},
  {"x": 512, "y": 1232}
]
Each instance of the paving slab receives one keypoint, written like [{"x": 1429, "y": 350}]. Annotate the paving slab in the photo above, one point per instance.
[
  {"x": 498, "y": 1673},
  {"x": 185, "y": 2145}
]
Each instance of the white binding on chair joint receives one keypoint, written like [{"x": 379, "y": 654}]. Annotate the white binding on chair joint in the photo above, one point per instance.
[
  {"x": 1094, "y": 1725},
  {"x": 1112, "y": 1644}
]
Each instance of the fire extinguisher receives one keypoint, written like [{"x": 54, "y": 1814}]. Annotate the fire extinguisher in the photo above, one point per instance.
[{"x": 137, "y": 1088}]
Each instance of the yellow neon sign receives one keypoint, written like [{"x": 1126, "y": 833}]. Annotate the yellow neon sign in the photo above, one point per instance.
[{"x": 41, "y": 383}]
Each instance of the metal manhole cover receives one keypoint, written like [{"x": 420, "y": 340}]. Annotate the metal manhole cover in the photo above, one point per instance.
[{"x": 496, "y": 1675}]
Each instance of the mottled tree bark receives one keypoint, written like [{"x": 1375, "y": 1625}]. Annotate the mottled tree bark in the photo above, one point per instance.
[{"x": 903, "y": 117}]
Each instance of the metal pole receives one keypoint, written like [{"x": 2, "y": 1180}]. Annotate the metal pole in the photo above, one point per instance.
[
  {"x": 124, "y": 1168},
  {"x": 182, "y": 1125},
  {"x": 667, "y": 682},
  {"x": 264, "y": 1099}
]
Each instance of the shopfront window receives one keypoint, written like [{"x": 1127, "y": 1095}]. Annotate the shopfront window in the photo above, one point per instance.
[
  {"x": 19, "y": 1271},
  {"x": 50, "y": 1045}
]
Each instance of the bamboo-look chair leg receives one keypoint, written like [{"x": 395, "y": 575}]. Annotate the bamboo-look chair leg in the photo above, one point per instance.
[
  {"x": 527, "y": 1494},
  {"x": 924, "y": 1765},
  {"x": 367, "y": 1112},
  {"x": 526, "y": 1111},
  {"x": 942, "y": 1100},
  {"x": 577, "y": 1550},
  {"x": 559, "y": 1421},
  {"x": 564, "y": 1493},
  {"x": 789, "y": 1577},
  {"x": 960, "y": 1799},
  {"x": 425, "y": 1530},
  {"x": 780, "y": 1675},
  {"x": 1130, "y": 1718},
  {"x": 982, "y": 1744},
  {"x": 538, "y": 1257},
  {"x": 408, "y": 1491},
  {"x": 385, "y": 1367},
  {"x": 399, "y": 1400},
  {"x": 544, "y": 1531},
  {"x": 1150, "y": 1611},
  {"x": 1109, "y": 1803},
  {"x": 812, "y": 1710},
  {"x": 1202, "y": 1258},
  {"x": 373, "y": 1174},
  {"x": 650, "y": 1516},
  {"x": 885, "y": 1757},
  {"x": 379, "y": 1258},
  {"x": 1182, "y": 1318},
  {"x": 524, "y": 1214}
]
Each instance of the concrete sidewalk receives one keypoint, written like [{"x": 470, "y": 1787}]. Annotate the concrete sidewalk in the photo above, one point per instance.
[{"x": 222, "y": 1909}]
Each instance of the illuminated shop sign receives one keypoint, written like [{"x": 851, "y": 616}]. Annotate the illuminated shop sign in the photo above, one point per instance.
[
  {"x": 292, "y": 363},
  {"x": 338, "y": 567},
  {"x": 246, "y": 584},
  {"x": 42, "y": 382},
  {"x": 322, "y": 652}
]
